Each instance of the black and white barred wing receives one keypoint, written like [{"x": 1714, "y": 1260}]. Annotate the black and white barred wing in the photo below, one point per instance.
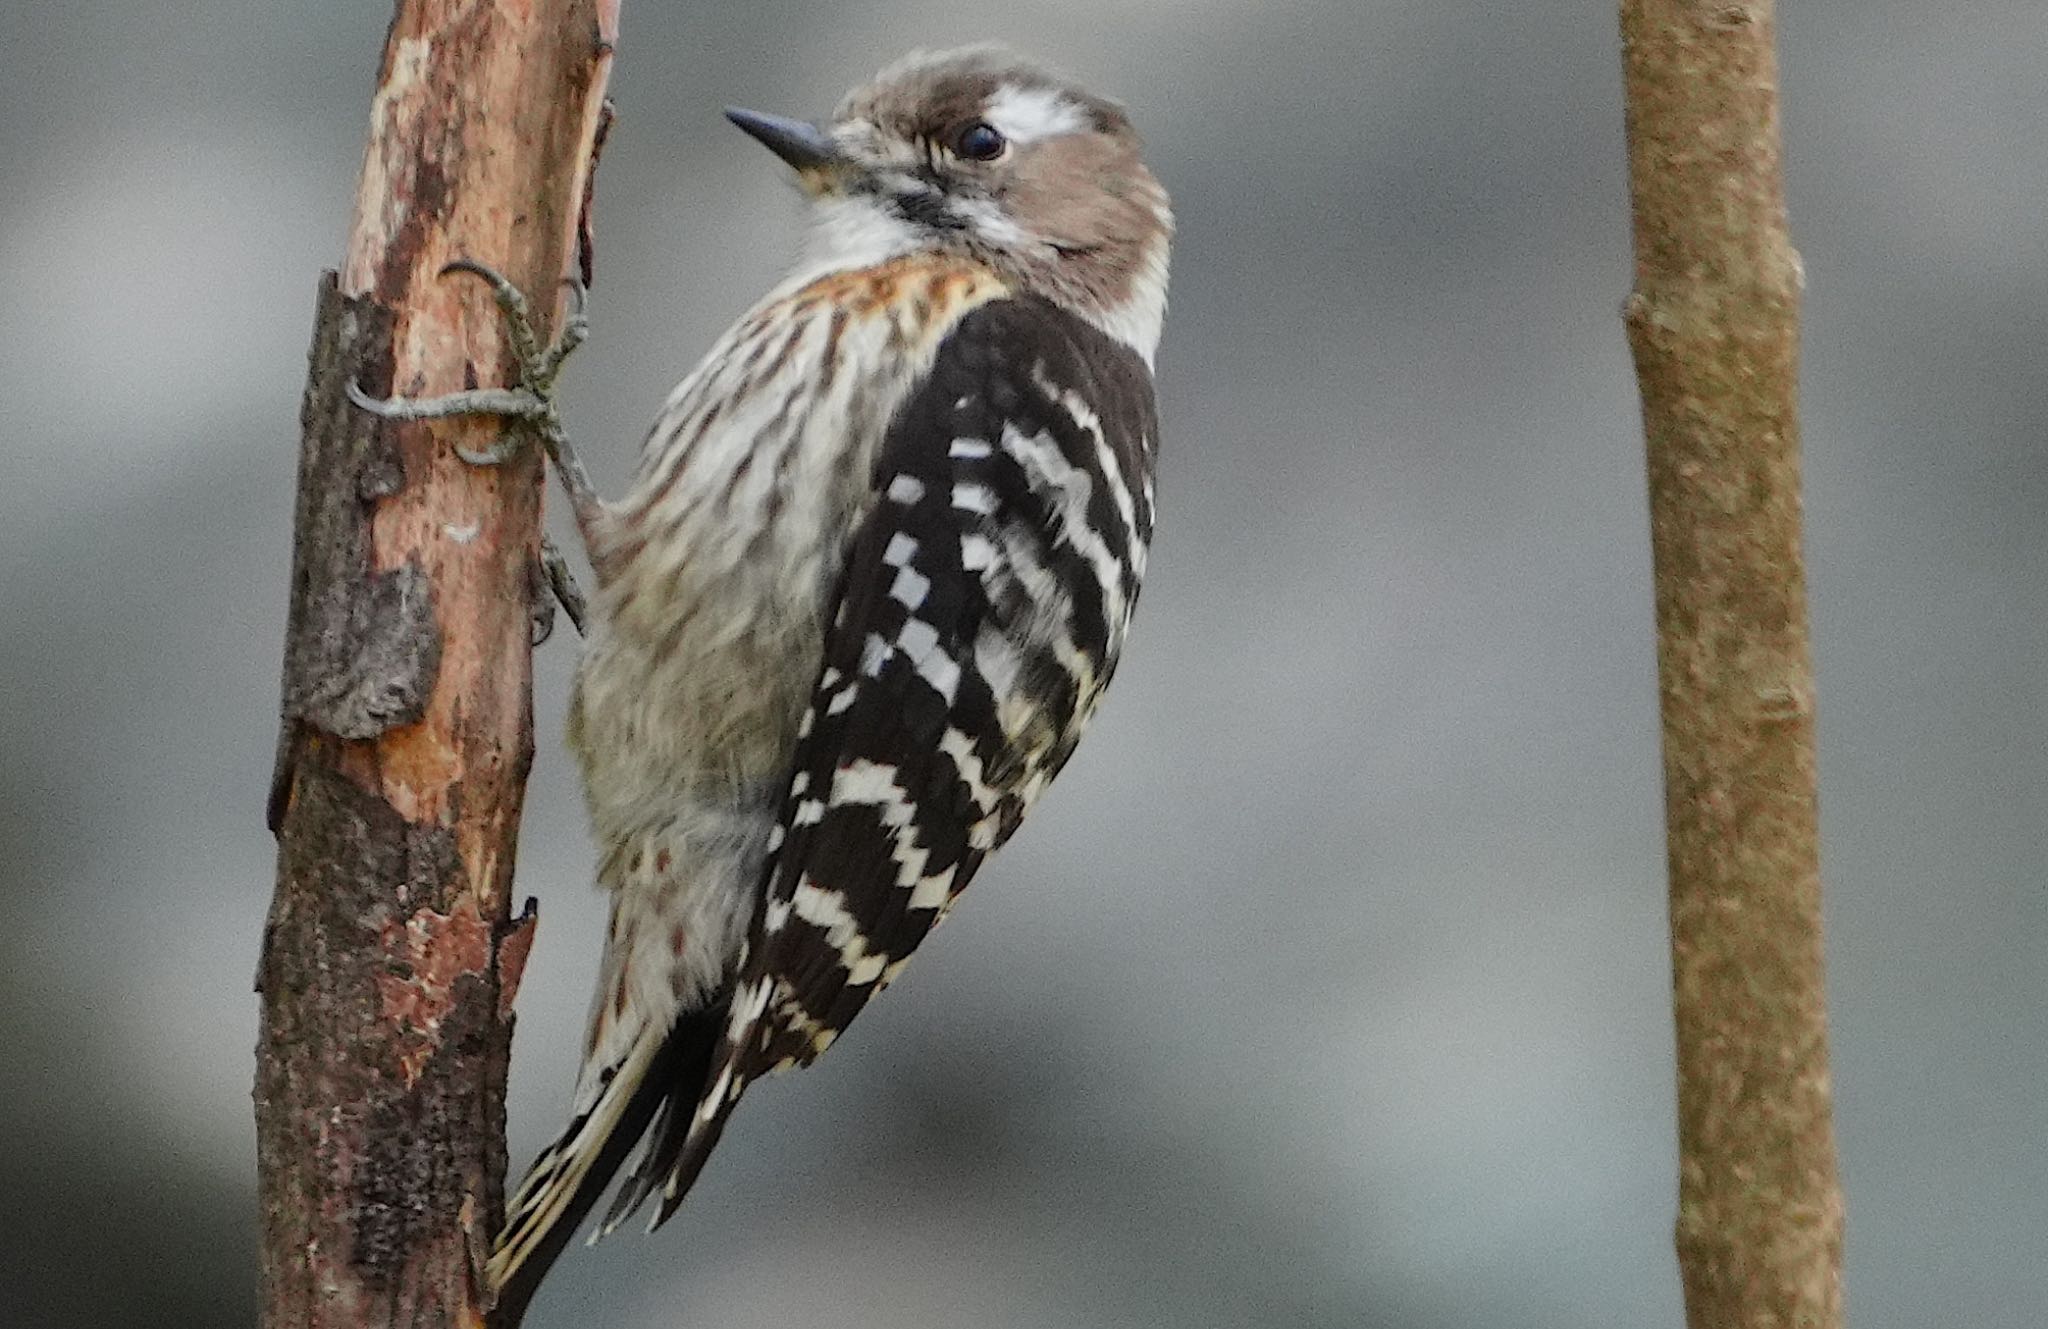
[{"x": 982, "y": 611}]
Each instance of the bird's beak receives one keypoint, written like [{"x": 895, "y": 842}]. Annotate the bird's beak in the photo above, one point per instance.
[{"x": 805, "y": 146}]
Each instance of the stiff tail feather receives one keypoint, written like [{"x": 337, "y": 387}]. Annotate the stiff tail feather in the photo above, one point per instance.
[
  {"x": 690, "y": 1123},
  {"x": 570, "y": 1175}
]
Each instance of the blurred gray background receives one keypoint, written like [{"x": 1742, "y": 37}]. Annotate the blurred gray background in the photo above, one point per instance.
[{"x": 1329, "y": 988}]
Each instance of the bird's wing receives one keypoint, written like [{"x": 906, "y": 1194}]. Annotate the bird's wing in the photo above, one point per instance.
[{"x": 981, "y": 610}]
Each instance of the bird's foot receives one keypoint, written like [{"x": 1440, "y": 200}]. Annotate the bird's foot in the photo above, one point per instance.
[
  {"x": 531, "y": 406},
  {"x": 532, "y": 402}
]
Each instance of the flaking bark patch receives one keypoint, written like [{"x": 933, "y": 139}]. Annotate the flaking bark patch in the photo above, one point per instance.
[
  {"x": 406, "y": 1153},
  {"x": 428, "y": 956},
  {"x": 364, "y": 643},
  {"x": 342, "y": 850}
]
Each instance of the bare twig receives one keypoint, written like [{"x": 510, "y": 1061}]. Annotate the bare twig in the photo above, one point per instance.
[
  {"x": 390, "y": 958},
  {"x": 1714, "y": 324}
]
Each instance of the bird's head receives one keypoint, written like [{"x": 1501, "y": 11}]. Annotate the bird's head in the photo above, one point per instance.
[{"x": 981, "y": 152}]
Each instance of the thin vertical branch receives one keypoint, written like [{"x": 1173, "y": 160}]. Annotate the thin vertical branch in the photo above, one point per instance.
[
  {"x": 1714, "y": 324},
  {"x": 389, "y": 957}
]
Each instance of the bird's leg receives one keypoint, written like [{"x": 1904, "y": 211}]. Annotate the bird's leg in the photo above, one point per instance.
[{"x": 532, "y": 405}]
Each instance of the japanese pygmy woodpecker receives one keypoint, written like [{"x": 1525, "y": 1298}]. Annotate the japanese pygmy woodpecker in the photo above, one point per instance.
[{"x": 866, "y": 590}]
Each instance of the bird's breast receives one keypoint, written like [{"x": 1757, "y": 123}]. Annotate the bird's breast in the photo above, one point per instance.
[{"x": 716, "y": 568}]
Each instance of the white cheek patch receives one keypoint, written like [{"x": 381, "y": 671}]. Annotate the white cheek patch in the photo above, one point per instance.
[
  {"x": 1139, "y": 317},
  {"x": 1026, "y": 115}
]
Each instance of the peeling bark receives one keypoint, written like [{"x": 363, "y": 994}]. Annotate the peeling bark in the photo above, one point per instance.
[
  {"x": 390, "y": 959},
  {"x": 1713, "y": 322}
]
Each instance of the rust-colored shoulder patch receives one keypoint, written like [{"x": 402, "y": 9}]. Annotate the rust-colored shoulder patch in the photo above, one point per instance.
[{"x": 935, "y": 285}]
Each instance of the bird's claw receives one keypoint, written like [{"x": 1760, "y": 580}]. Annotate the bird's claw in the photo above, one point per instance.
[
  {"x": 533, "y": 358},
  {"x": 533, "y": 400},
  {"x": 554, "y": 570},
  {"x": 575, "y": 328},
  {"x": 531, "y": 404}
]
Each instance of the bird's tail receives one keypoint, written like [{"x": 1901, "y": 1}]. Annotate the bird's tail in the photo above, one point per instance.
[
  {"x": 571, "y": 1174},
  {"x": 686, "y": 1131}
]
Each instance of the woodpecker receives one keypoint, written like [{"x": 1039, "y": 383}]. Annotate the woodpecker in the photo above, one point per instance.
[{"x": 872, "y": 576}]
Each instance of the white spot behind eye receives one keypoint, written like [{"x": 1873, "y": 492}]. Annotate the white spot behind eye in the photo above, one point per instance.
[{"x": 1025, "y": 115}]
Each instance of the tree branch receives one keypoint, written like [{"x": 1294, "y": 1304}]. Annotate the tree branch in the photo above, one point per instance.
[
  {"x": 1714, "y": 325},
  {"x": 389, "y": 958}
]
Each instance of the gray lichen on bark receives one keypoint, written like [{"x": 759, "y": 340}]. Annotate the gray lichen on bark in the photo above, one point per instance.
[{"x": 364, "y": 644}]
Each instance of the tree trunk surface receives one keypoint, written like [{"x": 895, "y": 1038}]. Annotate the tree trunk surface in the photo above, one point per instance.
[
  {"x": 1713, "y": 322},
  {"x": 390, "y": 957}
]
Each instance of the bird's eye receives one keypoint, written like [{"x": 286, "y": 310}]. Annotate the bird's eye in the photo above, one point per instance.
[{"x": 980, "y": 142}]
